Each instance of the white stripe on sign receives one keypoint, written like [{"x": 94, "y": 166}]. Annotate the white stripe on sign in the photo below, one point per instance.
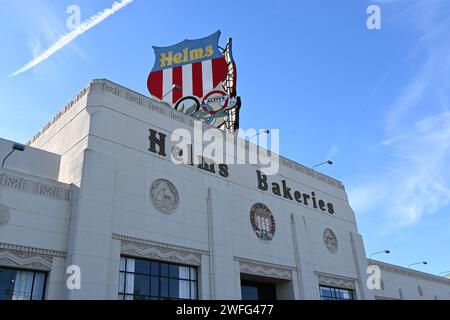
[
  {"x": 207, "y": 76},
  {"x": 167, "y": 85},
  {"x": 187, "y": 80}
]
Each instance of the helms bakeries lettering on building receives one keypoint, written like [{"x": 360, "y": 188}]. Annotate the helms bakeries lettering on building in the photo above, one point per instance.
[
  {"x": 287, "y": 193},
  {"x": 281, "y": 189}
]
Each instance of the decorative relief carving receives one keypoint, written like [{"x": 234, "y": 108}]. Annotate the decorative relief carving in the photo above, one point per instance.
[
  {"x": 330, "y": 241},
  {"x": 5, "y": 214},
  {"x": 158, "y": 244},
  {"x": 164, "y": 196},
  {"x": 50, "y": 191},
  {"x": 333, "y": 281},
  {"x": 12, "y": 182},
  {"x": 39, "y": 188},
  {"x": 262, "y": 221},
  {"x": 159, "y": 251},
  {"x": 25, "y": 260},
  {"x": 147, "y": 251},
  {"x": 265, "y": 270}
]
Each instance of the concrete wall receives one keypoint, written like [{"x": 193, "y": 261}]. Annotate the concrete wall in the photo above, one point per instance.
[{"x": 31, "y": 161}]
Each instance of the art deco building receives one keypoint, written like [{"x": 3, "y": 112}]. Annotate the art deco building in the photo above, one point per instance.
[{"x": 89, "y": 211}]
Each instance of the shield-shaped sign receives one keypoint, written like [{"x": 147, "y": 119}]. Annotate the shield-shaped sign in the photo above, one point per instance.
[{"x": 192, "y": 76}]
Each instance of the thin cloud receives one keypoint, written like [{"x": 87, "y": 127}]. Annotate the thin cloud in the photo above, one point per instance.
[
  {"x": 69, "y": 37},
  {"x": 412, "y": 180},
  {"x": 333, "y": 151},
  {"x": 415, "y": 183}
]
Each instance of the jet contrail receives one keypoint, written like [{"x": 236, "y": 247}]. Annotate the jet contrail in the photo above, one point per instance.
[{"x": 68, "y": 37}]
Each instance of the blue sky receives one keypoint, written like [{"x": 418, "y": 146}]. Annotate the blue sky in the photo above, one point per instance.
[{"x": 374, "y": 101}]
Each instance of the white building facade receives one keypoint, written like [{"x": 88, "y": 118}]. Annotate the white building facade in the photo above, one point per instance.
[{"x": 96, "y": 193}]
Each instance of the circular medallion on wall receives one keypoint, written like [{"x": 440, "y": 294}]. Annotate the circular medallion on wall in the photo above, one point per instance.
[
  {"x": 330, "y": 240},
  {"x": 5, "y": 214},
  {"x": 263, "y": 221},
  {"x": 164, "y": 196}
]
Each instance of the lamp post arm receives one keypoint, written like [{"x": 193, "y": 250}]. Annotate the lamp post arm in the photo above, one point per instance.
[{"x": 7, "y": 156}]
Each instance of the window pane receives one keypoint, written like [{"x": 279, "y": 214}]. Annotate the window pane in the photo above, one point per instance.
[
  {"x": 173, "y": 271},
  {"x": 174, "y": 288},
  {"x": 129, "y": 285},
  {"x": 329, "y": 293},
  {"x": 22, "y": 285},
  {"x": 122, "y": 263},
  {"x": 193, "y": 273},
  {"x": 154, "y": 286},
  {"x": 121, "y": 297},
  {"x": 184, "y": 273},
  {"x": 193, "y": 290},
  {"x": 7, "y": 279},
  {"x": 141, "y": 285},
  {"x": 325, "y": 292},
  {"x": 164, "y": 270},
  {"x": 130, "y": 265},
  {"x": 154, "y": 268},
  {"x": 121, "y": 282},
  {"x": 185, "y": 288},
  {"x": 164, "y": 287},
  {"x": 344, "y": 294},
  {"x": 38, "y": 286},
  {"x": 142, "y": 266}
]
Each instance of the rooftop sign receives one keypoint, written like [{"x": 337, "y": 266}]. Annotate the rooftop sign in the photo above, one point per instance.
[{"x": 198, "y": 78}]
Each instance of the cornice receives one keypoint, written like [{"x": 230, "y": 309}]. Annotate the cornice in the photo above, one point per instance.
[
  {"x": 33, "y": 250},
  {"x": 409, "y": 272},
  {"x": 66, "y": 108}
]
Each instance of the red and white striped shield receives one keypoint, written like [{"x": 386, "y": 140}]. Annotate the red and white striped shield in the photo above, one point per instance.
[{"x": 191, "y": 79}]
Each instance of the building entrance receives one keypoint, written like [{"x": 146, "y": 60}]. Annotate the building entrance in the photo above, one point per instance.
[{"x": 253, "y": 290}]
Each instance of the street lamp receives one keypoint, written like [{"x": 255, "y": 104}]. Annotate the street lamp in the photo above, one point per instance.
[
  {"x": 175, "y": 87},
  {"x": 15, "y": 147},
  {"x": 266, "y": 131},
  {"x": 378, "y": 252},
  {"x": 329, "y": 162},
  {"x": 416, "y": 263}
]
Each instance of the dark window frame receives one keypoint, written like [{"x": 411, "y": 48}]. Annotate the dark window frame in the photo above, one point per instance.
[
  {"x": 334, "y": 293},
  {"x": 34, "y": 271},
  {"x": 122, "y": 291}
]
